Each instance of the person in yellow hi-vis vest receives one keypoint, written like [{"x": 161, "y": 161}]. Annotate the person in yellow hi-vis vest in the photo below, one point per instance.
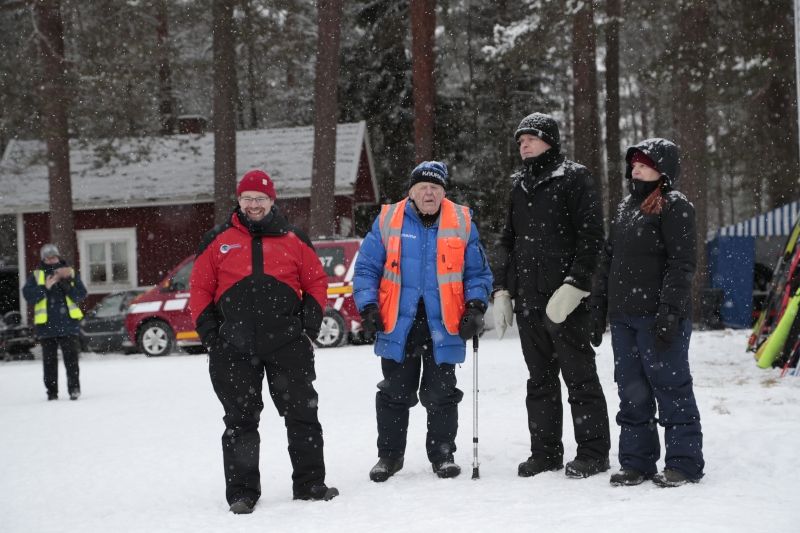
[{"x": 54, "y": 291}]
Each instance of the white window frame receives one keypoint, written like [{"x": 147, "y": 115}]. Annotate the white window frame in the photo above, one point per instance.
[{"x": 91, "y": 236}]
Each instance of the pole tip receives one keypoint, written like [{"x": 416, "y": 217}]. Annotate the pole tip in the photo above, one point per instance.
[{"x": 475, "y": 473}]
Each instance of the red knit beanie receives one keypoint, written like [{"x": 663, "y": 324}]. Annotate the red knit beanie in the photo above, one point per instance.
[
  {"x": 256, "y": 180},
  {"x": 641, "y": 157}
]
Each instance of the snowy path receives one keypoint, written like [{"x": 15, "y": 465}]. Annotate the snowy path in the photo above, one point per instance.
[{"x": 140, "y": 452}]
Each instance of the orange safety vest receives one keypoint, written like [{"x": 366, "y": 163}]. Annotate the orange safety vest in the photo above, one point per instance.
[{"x": 451, "y": 246}]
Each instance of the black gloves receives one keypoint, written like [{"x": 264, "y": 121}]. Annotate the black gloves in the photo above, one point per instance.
[
  {"x": 598, "y": 325},
  {"x": 371, "y": 321},
  {"x": 666, "y": 325},
  {"x": 65, "y": 284},
  {"x": 471, "y": 323},
  {"x": 210, "y": 339}
]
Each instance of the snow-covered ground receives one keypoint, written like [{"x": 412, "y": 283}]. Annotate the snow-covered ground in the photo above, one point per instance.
[{"x": 140, "y": 451}]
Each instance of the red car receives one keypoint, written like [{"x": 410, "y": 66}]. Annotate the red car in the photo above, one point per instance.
[
  {"x": 341, "y": 322},
  {"x": 159, "y": 319}
]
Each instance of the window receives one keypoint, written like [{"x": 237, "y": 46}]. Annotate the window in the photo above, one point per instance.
[
  {"x": 180, "y": 281},
  {"x": 332, "y": 259},
  {"x": 108, "y": 259},
  {"x": 110, "y": 305}
]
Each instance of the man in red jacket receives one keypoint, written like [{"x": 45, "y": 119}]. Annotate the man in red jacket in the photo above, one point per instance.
[{"x": 258, "y": 292}]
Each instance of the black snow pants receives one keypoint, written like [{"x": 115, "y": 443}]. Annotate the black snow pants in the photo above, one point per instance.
[
  {"x": 397, "y": 393},
  {"x": 646, "y": 377},
  {"x": 237, "y": 379},
  {"x": 549, "y": 348},
  {"x": 70, "y": 348}
]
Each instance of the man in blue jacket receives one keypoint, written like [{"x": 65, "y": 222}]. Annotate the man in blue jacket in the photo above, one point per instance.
[
  {"x": 422, "y": 283},
  {"x": 54, "y": 290}
]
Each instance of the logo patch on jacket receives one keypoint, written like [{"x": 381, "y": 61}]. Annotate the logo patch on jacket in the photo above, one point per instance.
[
  {"x": 408, "y": 236},
  {"x": 225, "y": 248}
]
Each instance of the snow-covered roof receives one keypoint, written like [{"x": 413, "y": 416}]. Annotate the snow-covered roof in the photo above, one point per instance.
[{"x": 176, "y": 169}]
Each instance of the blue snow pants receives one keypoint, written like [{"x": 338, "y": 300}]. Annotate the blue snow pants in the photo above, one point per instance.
[{"x": 647, "y": 377}]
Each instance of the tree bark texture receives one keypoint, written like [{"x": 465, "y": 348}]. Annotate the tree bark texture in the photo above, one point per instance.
[
  {"x": 588, "y": 150},
  {"x": 614, "y": 157},
  {"x": 326, "y": 112},
  {"x": 693, "y": 127},
  {"x": 225, "y": 96},
  {"x": 250, "y": 38},
  {"x": 50, "y": 34},
  {"x": 166, "y": 107},
  {"x": 775, "y": 110},
  {"x": 423, "y": 27}
]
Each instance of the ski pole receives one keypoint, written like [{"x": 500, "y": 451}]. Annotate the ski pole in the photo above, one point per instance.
[
  {"x": 475, "y": 472},
  {"x": 790, "y": 359}
]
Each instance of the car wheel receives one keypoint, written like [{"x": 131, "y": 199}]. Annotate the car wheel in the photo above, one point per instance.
[
  {"x": 333, "y": 331},
  {"x": 156, "y": 338}
]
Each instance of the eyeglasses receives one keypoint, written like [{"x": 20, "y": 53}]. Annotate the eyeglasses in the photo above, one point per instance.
[{"x": 262, "y": 200}]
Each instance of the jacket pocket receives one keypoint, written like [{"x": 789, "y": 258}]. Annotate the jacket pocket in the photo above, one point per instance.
[
  {"x": 221, "y": 319},
  {"x": 552, "y": 268},
  {"x": 452, "y": 258}
]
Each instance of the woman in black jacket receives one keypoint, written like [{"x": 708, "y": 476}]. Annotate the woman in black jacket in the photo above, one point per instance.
[{"x": 645, "y": 285}]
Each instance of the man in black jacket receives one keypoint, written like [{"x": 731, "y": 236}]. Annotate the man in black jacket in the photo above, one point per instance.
[{"x": 548, "y": 253}]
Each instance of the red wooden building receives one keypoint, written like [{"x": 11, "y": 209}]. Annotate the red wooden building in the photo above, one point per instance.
[{"x": 142, "y": 205}]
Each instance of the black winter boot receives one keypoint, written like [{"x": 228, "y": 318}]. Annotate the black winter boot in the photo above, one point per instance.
[
  {"x": 243, "y": 505},
  {"x": 52, "y": 396},
  {"x": 628, "y": 477},
  {"x": 585, "y": 466},
  {"x": 536, "y": 464},
  {"x": 385, "y": 468},
  {"x": 445, "y": 469},
  {"x": 671, "y": 478},
  {"x": 318, "y": 492}
]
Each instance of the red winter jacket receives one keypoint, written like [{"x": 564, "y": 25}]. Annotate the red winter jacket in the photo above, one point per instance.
[{"x": 257, "y": 288}]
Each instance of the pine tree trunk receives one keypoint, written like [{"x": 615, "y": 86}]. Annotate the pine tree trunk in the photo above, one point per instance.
[
  {"x": 423, "y": 27},
  {"x": 166, "y": 107},
  {"x": 586, "y": 130},
  {"x": 616, "y": 176},
  {"x": 55, "y": 125},
  {"x": 693, "y": 129},
  {"x": 326, "y": 112},
  {"x": 778, "y": 110},
  {"x": 250, "y": 38},
  {"x": 225, "y": 97}
]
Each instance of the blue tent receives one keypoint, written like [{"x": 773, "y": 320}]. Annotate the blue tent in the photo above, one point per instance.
[{"x": 731, "y": 260}]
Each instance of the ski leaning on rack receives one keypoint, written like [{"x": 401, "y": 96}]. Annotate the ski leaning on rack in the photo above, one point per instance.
[
  {"x": 773, "y": 346},
  {"x": 777, "y": 296}
]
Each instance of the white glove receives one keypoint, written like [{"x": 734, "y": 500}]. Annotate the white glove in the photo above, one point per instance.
[
  {"x": 563, "y": 302},
  {"x": 503, "y": 312}
]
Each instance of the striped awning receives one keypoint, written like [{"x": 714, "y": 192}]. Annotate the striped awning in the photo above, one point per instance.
[{"x": 777, "y": 222}]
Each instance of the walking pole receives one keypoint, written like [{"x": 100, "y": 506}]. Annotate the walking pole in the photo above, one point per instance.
[{"x": 475, "y": 472}]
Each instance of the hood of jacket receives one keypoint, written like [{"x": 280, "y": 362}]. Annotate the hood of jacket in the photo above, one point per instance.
[{"x": 663, "y": 153}]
